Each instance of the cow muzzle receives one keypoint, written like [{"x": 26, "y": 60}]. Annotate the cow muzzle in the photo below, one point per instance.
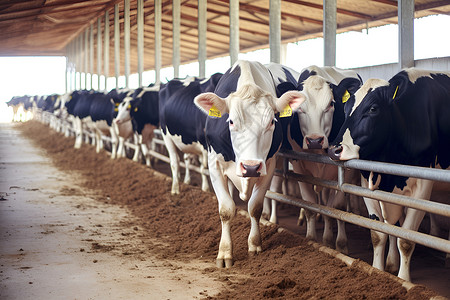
[
  {"x": 334, "y": 152},
  {"x": 251, "y": 168},
  {"x": 315, "y": 142}
]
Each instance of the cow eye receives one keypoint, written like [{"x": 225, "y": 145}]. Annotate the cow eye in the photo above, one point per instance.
[
  {"x": 330, "y": 106},
  {"x": 373, "y": 109}
]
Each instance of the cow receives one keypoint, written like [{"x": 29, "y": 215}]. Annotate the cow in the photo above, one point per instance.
[
  {"x": 122, "y": 130},
  {"x": 404, "y": 121},
  {"x": 243, "y": 136},
  {"x": 182, "y": 124},
  {"x": 140, "y": 111},
  {"x": 308, "y": 130}
]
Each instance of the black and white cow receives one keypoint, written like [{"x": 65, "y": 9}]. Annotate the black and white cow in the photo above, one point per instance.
[
  {"x": 243, "y": 136},
  {"x": 183, "y": 125},
  {"x": 309, "y": 129},
  {"x": 141, "y": 111},
  {"x": 406, "y": 121}
]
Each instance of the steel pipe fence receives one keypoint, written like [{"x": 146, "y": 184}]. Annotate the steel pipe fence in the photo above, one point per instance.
[{"x": 387, "y": 168}]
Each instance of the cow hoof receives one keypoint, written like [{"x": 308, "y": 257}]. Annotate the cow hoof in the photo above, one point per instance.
[{"x": 227, "y": 263}]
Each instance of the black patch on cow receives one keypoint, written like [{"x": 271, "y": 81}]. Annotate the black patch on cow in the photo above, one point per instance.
[
  {"x": 144, "y": 110},
  {"x": 178, "y": 113},
  {"x": 374, "y": 217}
]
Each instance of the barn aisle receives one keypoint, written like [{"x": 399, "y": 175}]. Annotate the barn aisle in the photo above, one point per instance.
[{"x": 58, "y": 243}]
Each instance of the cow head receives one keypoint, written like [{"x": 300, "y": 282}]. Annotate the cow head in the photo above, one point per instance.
[
  {"x": 367, "y": 128},
  {"x": 251, "y": 120},
  {"x": 123, "y": 111}
]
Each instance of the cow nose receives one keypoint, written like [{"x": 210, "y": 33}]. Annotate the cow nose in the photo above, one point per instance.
[
  {"x": 334, "y": 152},
  {"x": 314, "y": 143},
  {"x": 251, "y": 170}
]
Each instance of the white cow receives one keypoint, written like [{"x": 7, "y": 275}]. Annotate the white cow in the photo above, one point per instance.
[
  {"x": 309, "y": 129},
  {"x": 243, "y": 137}
]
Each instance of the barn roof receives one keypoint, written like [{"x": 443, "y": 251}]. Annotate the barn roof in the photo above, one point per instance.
[{"x": 46, "y": 27}]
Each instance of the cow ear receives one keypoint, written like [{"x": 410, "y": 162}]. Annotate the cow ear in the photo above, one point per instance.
[
  {"x": 211, "y": 104},
  {"x": 289, "y": 102},
  {"x": 345, "y": 89},
  {"x": 398, "y": 85}
]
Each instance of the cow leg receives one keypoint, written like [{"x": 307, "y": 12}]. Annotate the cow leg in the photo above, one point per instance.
[
  {"x": 137, "y": 149},
  {"x": 308, "y": 194},
  {"x": 98, "y": 141},
  {"x": 114, "y": 140},
  {"x": 203, "y": 168},
  {"x": 337, "y": 200},
  {"x": 187, "y": 173},
  {"x": 255, "y": 205},
  {"x": 327, "y": 237},
  {"x": 227, "y": 211},
  {"x": 174, "y": 164},
  {"x": 270, "y": 205},
  {"x": 379, "y": 239},
  {"x": 120, "y": 147},
  {"x": 78, "y": 133}
]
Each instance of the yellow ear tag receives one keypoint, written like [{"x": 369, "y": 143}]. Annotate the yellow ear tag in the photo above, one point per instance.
[
  {"x": 214, "y": 112},
  {"x": 395, "y": 93},
  {"x": 346, "y": 96},
  {"x": 135, "y": 109},
  {"x": 116, "y": 109},
  {"x": 287, "y": 112}
]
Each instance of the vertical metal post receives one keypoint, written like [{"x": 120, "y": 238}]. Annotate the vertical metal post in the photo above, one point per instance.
[
  {"x": 275, "y": 30},
  {"x": 65, "y": 73},
  {"x": 329, "y": 32},
  {"x": 91, "y": 55},
  {"x": 406, "y": 33},
  {"x": 140, "y": 39},
  {"x": 80, "y": 58},
  {"x": 202, "y": 38},
  {"x": 116, "y": 44},
  {"x": 99, "y": 51},
  {"x": 176, "y": 15},
  {"x": 106, "y": 54},
  {"x": 158, "y": 40},
  {"x": 86, "y": 57},
  {"x": 127, "y": 42},
  {"x": 234, "y": 31}
]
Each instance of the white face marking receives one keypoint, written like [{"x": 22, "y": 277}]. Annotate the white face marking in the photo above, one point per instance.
[
  {"x": 316, "y": 113},
  {"x": 123, "y": 113},
  {"x": 370, "y": 84},
  {"x": 251, "y": 130},
  {"x": 349, "y": 149}
]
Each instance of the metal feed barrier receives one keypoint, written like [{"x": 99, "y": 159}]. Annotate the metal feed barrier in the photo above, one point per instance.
[{"x": 394, "y": 169}]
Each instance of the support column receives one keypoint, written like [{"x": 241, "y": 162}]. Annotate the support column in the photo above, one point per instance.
[
  {"x": 99, "y": 51},
  {"x": 234, "y": 31},
  {"x": 176, "y": 53},
  {"x": 127, "y": 42},
  {"x": 116, "y": 44},
  {"x": 275, "y": 30},
  {"x": 140, "y": 39},
  {"x": 158, "y": 41},
  {"x": 202, "y": 38},
  {"x": 86, "y": 57},
  {"x": 406, "y": 33},
  {"x": 80, "y": 57},
  {"x": 91, "y": 54},
  {"x": 329, "y": 32},
  {"x": 106, "y": 54}
]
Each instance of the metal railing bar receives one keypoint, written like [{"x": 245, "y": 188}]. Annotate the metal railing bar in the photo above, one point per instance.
[
  {"x": 379, "y": 167},
  {"x": 414, "y": 236},
  {"x": 424, "y": 205}
]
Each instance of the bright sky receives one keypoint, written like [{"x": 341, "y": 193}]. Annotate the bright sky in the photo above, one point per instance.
[{"x": 45, "y": 75}]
